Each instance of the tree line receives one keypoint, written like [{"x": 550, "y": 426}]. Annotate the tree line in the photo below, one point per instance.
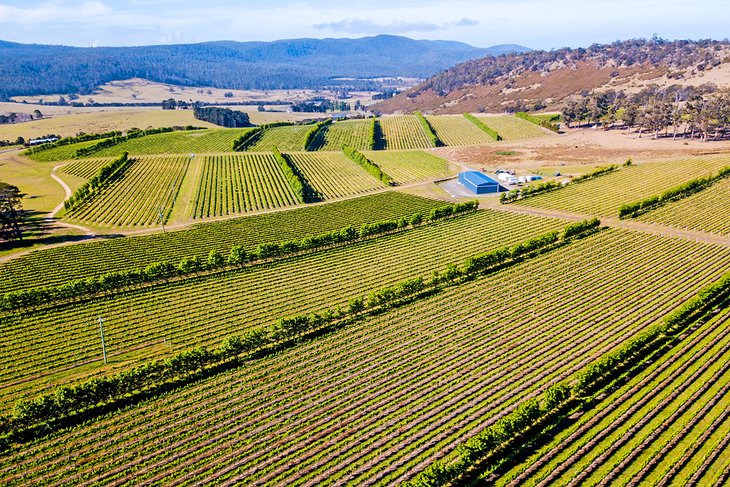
[
  {"x": 692, "y": 112},
  {"x": 225, "y": 117}
]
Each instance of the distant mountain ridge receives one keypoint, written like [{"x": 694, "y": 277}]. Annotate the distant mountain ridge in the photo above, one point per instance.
[
  {"x": 32, "y": 69},
  {"x": 545, "y": 78}
]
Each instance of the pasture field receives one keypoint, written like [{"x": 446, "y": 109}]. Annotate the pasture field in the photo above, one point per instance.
[
  {"x": 201, "y": 311},
  {"x": 285, "y": 138},
  {"x": 142, "y": 197},
  {"x": 353, "y": 133},
  {"x": 96, "y": 121},
  {"x": 62, "y": 264},
  {"x": 333, "y": 175},
  {"x": 670, "y": 425},
  {"x": 403, "y": 132},
  {"x": 513, "y": 128},
  {"x": 457, "y": 130},
  {"x": 604, "y": 195},
  {"x": 376, "y": 402},
  {"x": 409, "y": 166},
  {"x": 234, "y": 184},
  {"x": 706, "y": 211}
]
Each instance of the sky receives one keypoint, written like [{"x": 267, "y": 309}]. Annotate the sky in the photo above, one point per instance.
[{"x": 533, "y": 23}]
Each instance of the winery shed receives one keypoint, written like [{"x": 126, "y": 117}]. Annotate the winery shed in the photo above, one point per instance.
[{"x": 478, "y": 183}]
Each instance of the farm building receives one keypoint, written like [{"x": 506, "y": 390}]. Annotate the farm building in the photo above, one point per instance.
[{"x": 478, "y": 183}]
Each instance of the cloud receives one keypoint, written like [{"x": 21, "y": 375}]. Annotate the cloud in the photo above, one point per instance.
[{"x": 367, "y": 26}]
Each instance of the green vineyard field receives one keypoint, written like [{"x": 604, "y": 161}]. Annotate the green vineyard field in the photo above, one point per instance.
[
  {"x": 62, "y": 264},
  {"x": 702, "y": 211},
  {"x": 286, "y": 138},
  {"x": 409, "y": 166},
  {"x": 669, "y": 425},
  {"x": 143, "y": 196},
  {"x": 202, "y": 310},
  {"x": 333, "y": 175},
  {"x": 403, "y": 132},
  {"x": 375, "y": 402},
  {"x": 604, "y": 195},
  {"x": 353, "y": 133},
  {"x": 235, "y": 184},
  {"x": 513, "y": 128},
  {"x": 457, "y": 130}
]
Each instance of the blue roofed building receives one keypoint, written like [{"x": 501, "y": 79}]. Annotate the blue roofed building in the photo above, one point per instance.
[{"x": 478, "y": 183}]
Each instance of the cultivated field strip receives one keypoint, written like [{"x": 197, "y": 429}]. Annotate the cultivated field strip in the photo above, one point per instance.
[
  {"x": 510, "y": 127},
  {"x": 286, "y": 138},
  {"x": 62, "y": 153},
  {"x": 206, "y": 310},
  {"x": 353, "y": 133},
  {"x": 334, "y": 175},
  {"x": 457, "y": 130},
  {"x": 403, "y": 132},
  {"x": 668, "y": 426},
  {"x": 147, "y": 189},
  {"x": 234, "y": 184},
  {"x": 706, "y": 211},
  {"x": 63, "y": 264},
  {"x": 409, "y": 166},
  {"x": 180, "y": 142},
  {"x": 85, "y": 168},
  {"x": 376, "y": 402},
  {"x": 604, "y": 195}
]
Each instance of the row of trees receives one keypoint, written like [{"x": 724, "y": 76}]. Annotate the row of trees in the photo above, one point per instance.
[{"x": 702, "y": 112}]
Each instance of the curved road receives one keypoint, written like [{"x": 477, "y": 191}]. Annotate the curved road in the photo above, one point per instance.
[{"x": 51, "y": 217}]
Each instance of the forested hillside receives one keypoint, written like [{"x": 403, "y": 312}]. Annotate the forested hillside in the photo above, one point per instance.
[
  {"x": 539, "y": 79},
  {"x": 285, "y": 64}
]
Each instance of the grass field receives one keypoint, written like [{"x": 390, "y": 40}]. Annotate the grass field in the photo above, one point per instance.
[
  {"x": 457, "y": 130},
  {"x": 236, "y": 184},
  {"x": 403, "y": 132},
  {"x": 286, "y": 138},
  {"x": 604, "y": 195},
  {"x": 333, "y": 175},
  {"x": 702, "y": 211},
  {"x": 100, "y": 122},
  {"x": 413, "y": 383},
  {"x": 670, "y": 425},
  {"x": 62, "y": 264},
  {"x": 409, "y": 166},
  {"x": 354, "y": 133}
]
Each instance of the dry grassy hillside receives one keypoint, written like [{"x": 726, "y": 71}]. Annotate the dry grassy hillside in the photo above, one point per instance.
[{"x": 542, "y": 79}]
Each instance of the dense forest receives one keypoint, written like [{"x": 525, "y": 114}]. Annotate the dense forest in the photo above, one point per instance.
[
  {"x": 225, "y": 117},
  {"x": 674, "y": 55},
  {"x": 286, "y": 64}
]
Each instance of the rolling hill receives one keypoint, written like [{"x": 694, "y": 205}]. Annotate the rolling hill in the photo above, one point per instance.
[
  {"x": 536, "y": 79},
  {"x": 283, "y": 64}
]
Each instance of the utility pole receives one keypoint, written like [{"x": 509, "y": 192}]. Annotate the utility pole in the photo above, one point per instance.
[{"x": 101, "y": 331}]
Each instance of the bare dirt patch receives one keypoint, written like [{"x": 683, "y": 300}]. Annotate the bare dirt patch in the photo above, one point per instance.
[{"x": 580, "y": 146}]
